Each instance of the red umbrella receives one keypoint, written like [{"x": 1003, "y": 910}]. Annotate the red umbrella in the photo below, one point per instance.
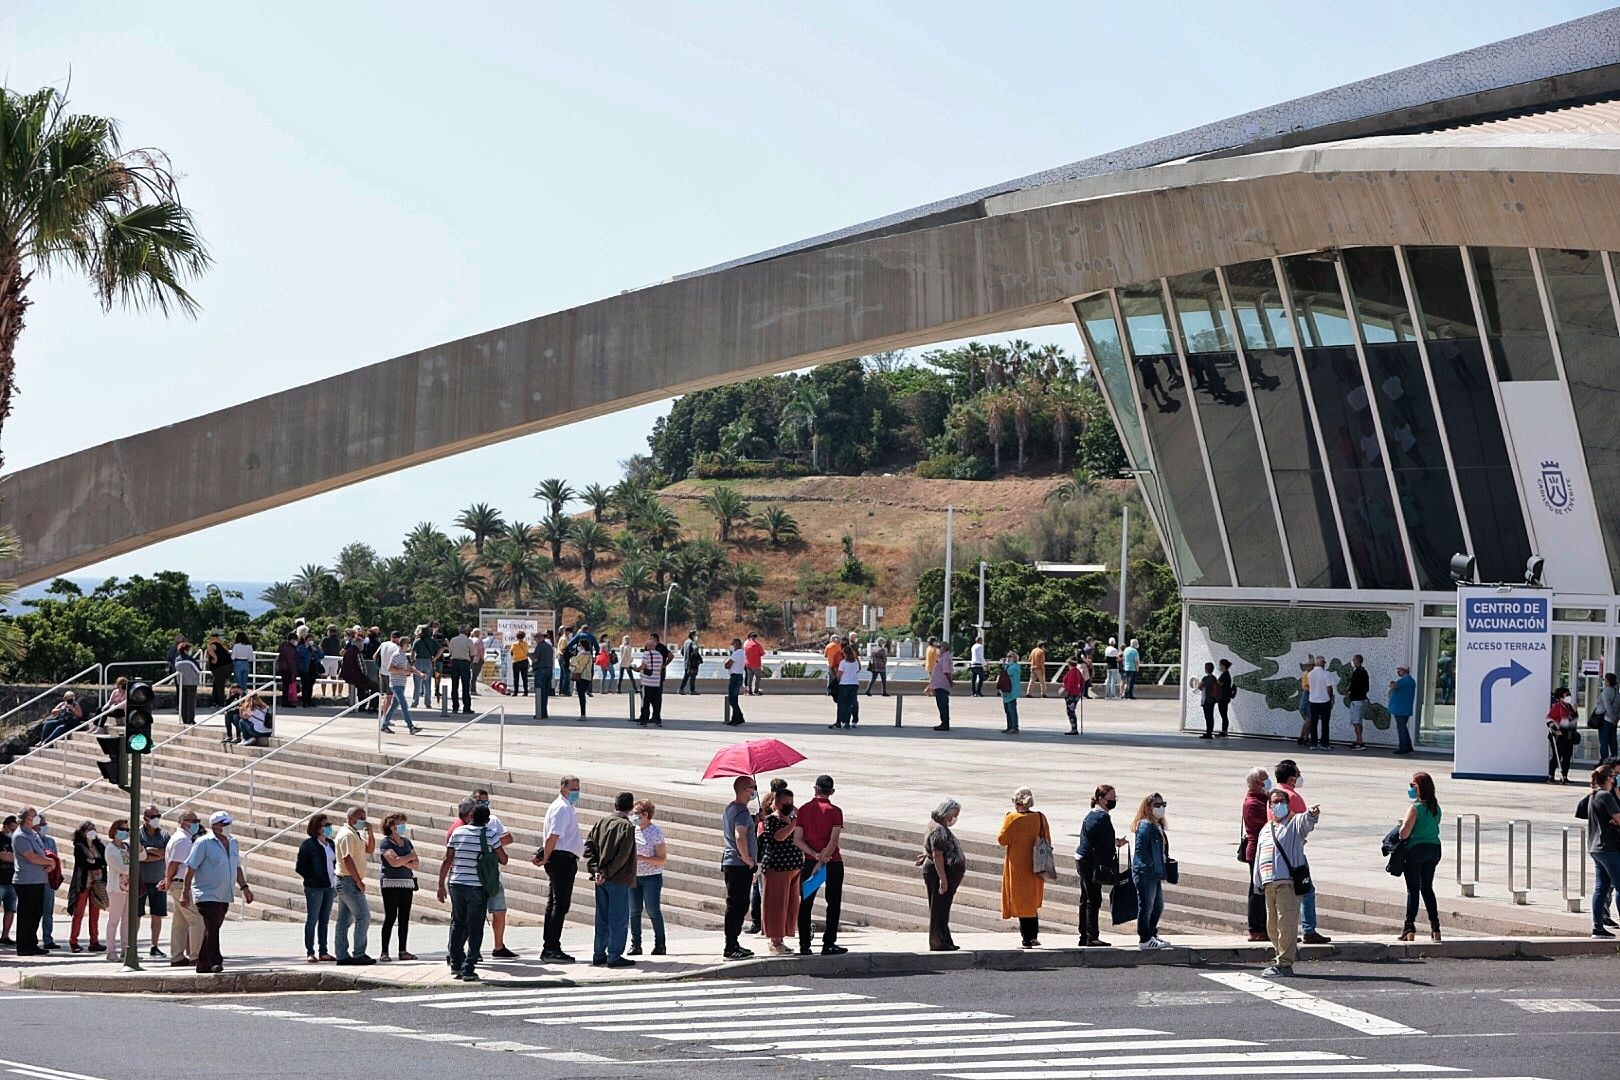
[{"x": 752, "y": 757}]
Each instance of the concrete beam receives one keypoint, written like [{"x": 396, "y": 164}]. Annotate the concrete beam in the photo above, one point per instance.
[{"x": 1008, "y": 272}]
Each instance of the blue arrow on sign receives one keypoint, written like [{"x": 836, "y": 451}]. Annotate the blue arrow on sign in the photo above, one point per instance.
[{"x": 1513, "y": 673}]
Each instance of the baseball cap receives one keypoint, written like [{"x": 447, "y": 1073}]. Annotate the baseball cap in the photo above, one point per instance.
[{"x": 219, "y": 817}]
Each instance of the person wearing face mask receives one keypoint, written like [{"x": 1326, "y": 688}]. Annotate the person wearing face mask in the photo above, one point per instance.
[
  {"x": 116, "y": 851},
  {"x": 1096, "y": 858},
  {"x": 647, "y": 894},
  {"x": 944, "y": 866},
  {"x": 1280, "y": 860},
  {"x": 214, "y": 865},
  {"x": 495, "y": 906},
  {"x": 53, "y": 881},
  {"x": 8, "y": 870},
  {"x": 317, "y": 866},
  {"x": 562, "y": 848},
  {"x": 1289, "y": 778},
  {"x": 1421, "y": 831},
  {"x": 739, "y": 846},
  {"x": 89, "y": 880},
  {"x": 1149, "y": 867},
  {"x": 354, "y": 841},
  {"x": 1603, "y": 845},
  {"x": 399, "y": 864},
  {"x": 1253, "y": 818},
  {"x": 186, "y": 931},
  {"x": 153, "y": 843},
  {"x": 32, "y": 868}
]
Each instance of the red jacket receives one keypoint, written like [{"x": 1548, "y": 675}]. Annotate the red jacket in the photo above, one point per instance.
[{"x": 1073, "y": 682}]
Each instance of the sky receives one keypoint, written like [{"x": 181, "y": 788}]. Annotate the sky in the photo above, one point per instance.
[{"x": 374, "y": 178}]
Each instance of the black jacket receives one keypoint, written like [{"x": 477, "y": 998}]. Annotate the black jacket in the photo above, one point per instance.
[
  {"x": 311, "y": 864},
  {"x": 1360, "y": 684}
]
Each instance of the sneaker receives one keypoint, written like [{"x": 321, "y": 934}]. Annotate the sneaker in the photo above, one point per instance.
[
  {"x": 386, "y": 730},
  {"x": 634, "y": 950},
  {"x": 468, "y": 976},
  {"x": 833, "y": 950},
  {"x": 503, "y": 953},
  {"x": 1151, "y": 944},
  {"x": 558, "y": 957},
  {"x": 739, "y": 953},
  {"x": 621, "y": 962},
  {"x": 1600, "y": 932},
  {"x": 1277, "y": 971}
]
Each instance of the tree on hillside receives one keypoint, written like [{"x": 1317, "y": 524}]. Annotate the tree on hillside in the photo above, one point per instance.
[
  {"x": 555, "y": 530},
  {"x": 460, "y": 578},
  {"x": 802, "y": 413},
  {"x": 599, "y": 499},
  {"x": 511, "y": 569},
  {"x": 390, "y": 581},
  {"x": 1020, "y": 395},
  {"x": 282, "y": 595},
  {"x": 309, "y": 579},
  {"x": 1062, "y": 424},
  {"x": 559, "y": 595},
  {"x": 589, "y": 540},
  {"x": 635, "y": 580},
  {"x": 524, "y": 536},
  {"x": 71, "y": 198},
  {"x": 657, "y": 525},
  {"x": 554, "y": 493},
  {"x": 728, "y": 505},
  {"x": 778, "y": 525},
  {"x": 743, "y": 579},
  {"x": 354, "y": 560},
  {"x": 483, "y": 521},
  {"x": 995, "y": 423}
]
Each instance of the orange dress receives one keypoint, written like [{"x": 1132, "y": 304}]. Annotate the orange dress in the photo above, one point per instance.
[{"x": 1021, "y": 889}]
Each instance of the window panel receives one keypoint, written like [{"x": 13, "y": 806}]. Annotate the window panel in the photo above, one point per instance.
[
  {"x": 1107, "y": 352},
  {"x": 1514, "y": 320}
]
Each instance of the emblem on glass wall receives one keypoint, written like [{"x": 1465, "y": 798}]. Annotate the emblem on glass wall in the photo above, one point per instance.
[{"x": 1554, "y": 487}]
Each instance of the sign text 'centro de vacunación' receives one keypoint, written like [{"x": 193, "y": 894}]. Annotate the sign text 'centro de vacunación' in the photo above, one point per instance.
[
  {"x": 1507, "y": 616},
  {"x": 1504, "y": 674}
]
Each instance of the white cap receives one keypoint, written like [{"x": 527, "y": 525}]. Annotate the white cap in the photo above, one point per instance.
[{"x": 219, "y": 817}]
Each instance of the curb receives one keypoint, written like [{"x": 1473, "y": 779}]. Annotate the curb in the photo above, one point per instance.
[{"x": 849, "y": 964}]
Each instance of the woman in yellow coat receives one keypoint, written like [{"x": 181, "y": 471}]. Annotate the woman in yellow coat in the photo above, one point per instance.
[{"x": 1022, "y": 890}]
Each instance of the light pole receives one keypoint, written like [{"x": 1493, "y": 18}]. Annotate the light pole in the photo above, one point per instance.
[
  {"x": 666, "y": 610},
  {"x": 950, "y": 542},
  {"x": 1124, "y": 571}
]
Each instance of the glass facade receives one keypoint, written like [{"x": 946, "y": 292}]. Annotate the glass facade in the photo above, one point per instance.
[
  {"x": 1513, "y": 317},
  {"x": 1172, "y": 434},
  {"x": 1344, "y": 409},
  {"x": 1219, "y": 391},
  {"x": 1412, "y": 437},
  {"x": 1462, "y": 383}
]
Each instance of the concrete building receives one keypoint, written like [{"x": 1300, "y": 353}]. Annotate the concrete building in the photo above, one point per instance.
[{"x": 1343, "y": 338}]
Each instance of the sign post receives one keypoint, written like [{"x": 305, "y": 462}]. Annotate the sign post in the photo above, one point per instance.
[{"x": 1504, "y": 682}]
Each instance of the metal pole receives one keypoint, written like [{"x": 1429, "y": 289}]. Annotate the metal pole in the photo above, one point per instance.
[
  {"x": 980, "y": 624},
  {"x": 132, "y": 951},
  {"x": 1124, "y": 572},
  {"x": 500, "y": 751},
  {"x": 666, "y": 611},
  {"x": 899, "y": 699},
  {"x": 950, "y": 542}
]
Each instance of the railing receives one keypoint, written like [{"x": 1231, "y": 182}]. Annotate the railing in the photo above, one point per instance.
[
  {"x": 1573, "y": 903},
  {"x": 107, "y": 678},
  {"x": 71, "y": 679},
  {"x": 256, "y": 762},
  {"x": 366, "y": 785},
  {"x": 1467, "y": 887}
]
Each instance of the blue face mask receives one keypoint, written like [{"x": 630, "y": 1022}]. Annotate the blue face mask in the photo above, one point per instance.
[
  {"x": 122, "y": 835},
  {"x": 1411, "y": 792},
  {"x": 326, "y": 831},
  {"x": 402, "y": 830},
  {"x": 193, "y": 829},
  {"x": 573, "y": 797},
  {"x": 1279, "y": 811},
  {"x": 1267, "y": 786}
]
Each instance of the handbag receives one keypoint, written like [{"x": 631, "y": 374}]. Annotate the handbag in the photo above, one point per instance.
[
  {"x": 1045, "y": 864},
  {"x": 98, "y": 895},
  {"x": 1595, "y": 717},
  {"x": 1003, "y": 682},
  {"x": 489, "y": 866},
  {"x": 1172, "y": 869},
  {"x": 1242, "y": 844},
  {"x": 1124, "y": 905},
  {"x": 1301, "y": 875}
]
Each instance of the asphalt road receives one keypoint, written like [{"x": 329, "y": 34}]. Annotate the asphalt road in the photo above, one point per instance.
[{"x": 1469, "y": 1019}]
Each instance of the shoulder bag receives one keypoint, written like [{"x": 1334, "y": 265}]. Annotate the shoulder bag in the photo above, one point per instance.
[
  {"x": 1301, "y": 875},
  {"x": 1045, "y": 864},
  {"x": 1243, "y": 843},
  {"x": 489, "y": 866},
  {"x": 1172, "y": 869},
  {"x": 1124, "y": 903}
]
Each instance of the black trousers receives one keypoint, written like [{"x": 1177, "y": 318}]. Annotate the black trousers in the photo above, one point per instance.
[
  {"x": 835, "y": 905},
  {"x": 582, "y": 687},
  {"x": 396, "y": 908},
  {"x": 30, "y": 910},
  {"x": 460, "y": 685},
  {"x": 739, "y": 879},
  {"x": 561, "y": 869},
  {"x": 188, "y": 704},
  {"x": 689, "y": 674},
  {"x": 1223, "y": 706},
  {"x": 306, "y": 685},
  {"x": 733, "y": 690},
  {"x": 939, "y": 904},
  {"x": 1091, "y": 899},
  {"x": 213, "y": 917},
  {"x": 1029, "y": 929},
  {"x": 978, "y": 680},
  {"x": 219, "y": 678},
  {"x": 1209, "y": 717},
  {"x": 1257, "y": 904},
  {"x": 520, "y": 676},
  {"x": 942, "y": 702},
  {"x": 652, "y": 704},
  {"x": 1321, "y": 712},
  {"x": 873, "y": 681},
  {"x": 542, "y": 688},
  {"x": 1559, "y": 752}
]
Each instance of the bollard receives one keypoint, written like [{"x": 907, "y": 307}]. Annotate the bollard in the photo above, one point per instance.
[
  {"x": 1520, "y": 896},
  {"x": 1573, "y": 903},
  {"x": 444, "y": 704},
  {"x": 1466, "y": 888},
  {"x": 898, "y": 702}
]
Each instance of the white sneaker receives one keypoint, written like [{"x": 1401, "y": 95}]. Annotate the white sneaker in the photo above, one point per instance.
[{"x": 1152, "y": 943}]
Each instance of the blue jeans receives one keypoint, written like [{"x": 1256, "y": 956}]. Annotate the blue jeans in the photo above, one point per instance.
[
  {"x": 1307, "y": 913},
  {"x": 318, "y": 903},
  {"x": 1604, "y": 885},
  {"x": 397, "y": 701},
  {"x": 467, "y": 914},
  {"x": 353, "y": 909},
  {"x": 1011, "y": 709},
  {"x": 849, "y": 709},
  {"x": 612, "y": 920},
  {"x": 422, "y": 683},
  {"x": 647, "y": 894},
  {"x": 1606, "y": 740},
  {"x": 241, "y": 668},
  {"x": 1150, "y": 901},
  {"x": 1403, "y": 733}
]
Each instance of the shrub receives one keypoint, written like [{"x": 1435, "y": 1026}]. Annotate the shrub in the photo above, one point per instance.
[
  {"x": 715, "y": 467},
  {"x": 795, "y": 669},
  {"x": 953, "y": 466}
]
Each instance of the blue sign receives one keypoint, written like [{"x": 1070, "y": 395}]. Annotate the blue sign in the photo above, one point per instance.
[
  {"x": 1506, "y": 615},
  {"x": 1512, "y": 673}
]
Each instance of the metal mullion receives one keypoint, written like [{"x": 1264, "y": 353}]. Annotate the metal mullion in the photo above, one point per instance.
[
  {"x": 1484, "y": 331},
  {"x": 1173, "y": 323},
  {"x": 1359, "y": 341},
  {"x": 1434, "y": 396},
  {"x": 1549, "y": 320},
  {"x": 1285, "y": 294},
  {"x": 1254, "y": 418}
]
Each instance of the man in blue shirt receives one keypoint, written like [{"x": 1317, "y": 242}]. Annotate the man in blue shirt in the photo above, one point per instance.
[
  {"x": 1129, "y": 663},
  {"x": 215, "y": 863},
  {"x": 32, "y": 865},
  {"x": 1402, "y": 698}
]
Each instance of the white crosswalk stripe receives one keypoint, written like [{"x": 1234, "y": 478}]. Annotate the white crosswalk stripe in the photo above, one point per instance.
[
  {"x": 494, "y": 996},
  {"x": 1255, "y": 1056},
  {"x": 1003, "y": 1050},
  {"x": 654, "y": 1005},
  {"x": 1034, "y": 1071},
  {"x": 867, "y": 1025},
  {"x": 594, "y": 993},
  {"x": 978, "y": 1033},
  {"x": 642, "y": 1021}
]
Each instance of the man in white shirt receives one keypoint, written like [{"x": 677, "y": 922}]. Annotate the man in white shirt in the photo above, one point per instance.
[
  {"x": 385, "y": 653},
  {"x": 186, "y": 924},
  {"x": 976, "y": 666},
  {"x": 562, "y": 848},
  {"x": 1322, "y": 683},
  {"x": 734, "y": 683},
  {"x": 478, "y": 651},
  {"x": 461, "y": 664},
  {"x": 1111, "y": 658}
]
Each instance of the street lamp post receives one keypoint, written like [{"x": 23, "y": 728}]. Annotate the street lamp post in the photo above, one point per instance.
[{"x": 666, "y": 609}]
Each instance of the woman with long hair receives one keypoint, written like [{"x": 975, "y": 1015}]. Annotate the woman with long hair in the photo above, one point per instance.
[
  {"x": 1148, "y": 868},
  {"x": 87, "y": 892},
  {"x": 1421, "y": 831},
  {"x": 116, "y": 851}
]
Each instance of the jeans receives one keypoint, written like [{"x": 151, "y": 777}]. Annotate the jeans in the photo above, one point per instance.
[
  {"x": 1150, "y": 898},
  {"x": 1130, "y": 684},
  {"x": 977, "y": 688},
  {"x": 318, "y": 907},
  {"x": 1606, "y": 740},
  {"x": 848, "y": 708},
  {"x": 734, "y": 713},
  {"x": 648, "y": 896},
  {"x": 542, "y": 693},
  {"x": 1111, "y": 684},
  {"x": 560, "y": 871},
  {"x": 460, "y": 685},
  {"x": 739, "y": 879},
  {"x": 835, "y": 905},
  {"x": 1403, "y": 733},
  {"x": 422, "y": 683},
  {"x": 942, "y": 702},
  {"x": 241, "y": 668},
  {"x": 876, "y": 677},
  {"x": 1421, "y": 861},
  {"x": 1010, "y": 708},
  {"x": 1307, "y": 911},
  {"x": 1604, "y": 885},
  {"x": 612, "y": 920},
  {"x": 467, "y": 914},
  {"x": 353, "y": 907},
  {"x": 397, "y": 701}
]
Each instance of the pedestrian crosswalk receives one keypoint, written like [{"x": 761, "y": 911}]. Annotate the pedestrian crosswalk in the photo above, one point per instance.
[{"x": 859, "y": 1031}]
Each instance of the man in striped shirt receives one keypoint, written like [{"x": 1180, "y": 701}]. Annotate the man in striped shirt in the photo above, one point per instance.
[
  {"x": 468, "y": 899},
  {"x": 653, "y": 659}
]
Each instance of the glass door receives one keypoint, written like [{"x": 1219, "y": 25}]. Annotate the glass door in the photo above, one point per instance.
[{"x": 1436, "y": 720}]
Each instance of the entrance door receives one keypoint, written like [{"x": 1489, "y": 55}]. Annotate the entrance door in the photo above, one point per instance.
[{"x": 1437, "y": 686}]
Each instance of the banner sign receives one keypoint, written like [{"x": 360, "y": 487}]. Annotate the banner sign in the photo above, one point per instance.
[
  {"x": 507, "y": 630},
  {"x": 1504, "y": 683},
  {"x": 1557, "y": 490}
]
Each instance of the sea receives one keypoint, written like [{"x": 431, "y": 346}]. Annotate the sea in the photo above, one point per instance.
[{"x": 249, "y": 601}]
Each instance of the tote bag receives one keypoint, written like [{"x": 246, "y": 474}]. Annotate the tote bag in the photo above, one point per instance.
[{"x": 1045, "y": 863}]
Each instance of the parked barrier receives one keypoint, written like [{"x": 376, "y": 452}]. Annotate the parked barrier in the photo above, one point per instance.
[
  {"x": 1573, "y": 903},
  {"x": 1467, "y": 887},
  {"x": 1520, "y": 896}
]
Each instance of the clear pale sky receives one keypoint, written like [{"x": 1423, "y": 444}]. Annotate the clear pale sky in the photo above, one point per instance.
[{"x": 374, "y": 178}]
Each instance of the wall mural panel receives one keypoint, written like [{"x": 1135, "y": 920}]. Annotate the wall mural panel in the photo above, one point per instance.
[{"x": 1267, "y": 646}]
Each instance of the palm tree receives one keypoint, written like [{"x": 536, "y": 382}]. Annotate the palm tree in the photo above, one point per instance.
[
  {"x": 554, "y": 492},
  {"x": 555, "y": 530},
  {"x": 590, "y": 539},
  {"x": 778, "y": 525},
  {"x": 309, "y": 578},
  {"x": 559, "y": 595},
  {"x": 995, "y": 423},
  {"x": 510, "y": 567},
  {"x": 13, "y": 642},
  {"x": 803, "y": 411},
  {"x": 743, "y": 578},
  {"x": 425, "y": 538},
  {"x": 1062, "y": 425},
  {"x": 524, "y": 536},
  {"x": 1020, "y": 411},
  {"x": 728, "y": 505},
  {"x": 599, "y": 499},
  {"x": 390, "y": 580},
  {"x": 658, "y": 525},
  {"x": 354, "y": 560},
  {"x": 634, "y": 579},
  {"x": 483, "y": 521},
  {"x": 71, "y": 198},
  {"x": 458, "y": 577},
  {"x": 282, "y": 595}
]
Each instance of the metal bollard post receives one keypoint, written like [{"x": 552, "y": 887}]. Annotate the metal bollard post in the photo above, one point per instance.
[
  {"x": 1520, "y": 896},
  {"x": 500, "y": 751},
  {"x": 1572, "y": 903},
  {"x": 1467, "y": 888},
  {"x": 899, "y": 700}
]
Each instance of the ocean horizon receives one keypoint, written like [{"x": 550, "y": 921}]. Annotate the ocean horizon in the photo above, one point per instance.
[{"x": 249, "y": 601}]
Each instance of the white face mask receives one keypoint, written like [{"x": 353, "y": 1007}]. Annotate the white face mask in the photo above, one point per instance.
[
  {"x": 1158, "y": 812},
  {"x": 90, "y": 836}
]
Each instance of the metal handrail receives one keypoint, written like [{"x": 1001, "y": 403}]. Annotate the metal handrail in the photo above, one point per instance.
[
  {"x": 106, "y": 673},
  {"x": 278, "y": 834},
  {"x": 256, "y": 762},
  {"x": 90, "y": 722},
  {"x": 44, "y": 694}
]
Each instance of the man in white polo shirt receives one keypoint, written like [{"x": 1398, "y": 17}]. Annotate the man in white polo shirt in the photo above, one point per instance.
[
  {"x": 563, "y": 847},
  {"x": 186, "y": 924}
]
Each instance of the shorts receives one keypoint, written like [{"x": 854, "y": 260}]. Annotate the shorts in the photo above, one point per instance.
[
  {"x": 160, "y": 900},
  {"x": 8, "y": 898},
  {"x": 496, "y": 903},
  {"x": 330, "y": 664}
]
